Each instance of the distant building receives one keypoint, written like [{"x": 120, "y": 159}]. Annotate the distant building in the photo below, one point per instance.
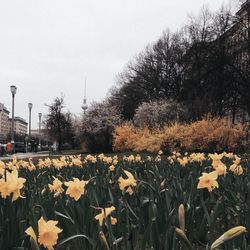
[
  {"x": 20, "y": 126},
  {"x": 237, "y": 37},
  {"x": 237, "y": 40},
  {"x": 4, "y": 121}
]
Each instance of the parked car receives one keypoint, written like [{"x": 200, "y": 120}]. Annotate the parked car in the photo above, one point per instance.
[
  {"x": 45, "y": 148},
  {"x": 19, "y": 147}
]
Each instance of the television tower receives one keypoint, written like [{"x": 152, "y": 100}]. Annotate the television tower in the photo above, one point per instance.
[{"x": 84, "y": 105}]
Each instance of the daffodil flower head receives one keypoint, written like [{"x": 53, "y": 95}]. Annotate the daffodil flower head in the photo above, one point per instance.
[
  {"x": 104, "y": 214},
  {"x": 76, "y": 188},
  {"x": 47, "y": 233},
  {"x": 127, "y": 183},
  {"x": 209, "y": 181}
]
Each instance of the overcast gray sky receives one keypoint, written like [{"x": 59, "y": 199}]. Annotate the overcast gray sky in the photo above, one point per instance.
[{"x": 47, "y": 47}]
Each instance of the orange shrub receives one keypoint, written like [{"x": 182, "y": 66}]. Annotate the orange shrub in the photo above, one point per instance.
[
  {"x": 208, "y": 135},
  {"x": 147, "y": 140},
  {"x": 123, "y": 138},
  {"x": 213, "y": 134},
  {"x": 127, "y": 137}
]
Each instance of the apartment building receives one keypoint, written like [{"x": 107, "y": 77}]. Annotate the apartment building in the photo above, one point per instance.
[
  {"x": 4, "y": 121},
  {"x": 238, "y": 36},
  {"x": 237, "y": 40},
  {"x": 20, "y": 126}
]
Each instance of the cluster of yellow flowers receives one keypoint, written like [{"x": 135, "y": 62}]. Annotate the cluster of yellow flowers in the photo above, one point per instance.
[
  {"x": 209, "y": 180},
  {"x": 112, "y": 161},
  {"x": 11, "y": 184},
  {"x": 236, "y": 168},
  {"x": 76, "y": 188},
  {"x": 91, "y": 158},
  {"x": 183, "y": 160},
  {"x": 132, "y": 158},
  {"x": 63, "y": 161}
]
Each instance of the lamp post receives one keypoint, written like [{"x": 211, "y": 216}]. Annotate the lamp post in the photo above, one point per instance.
[
  {"x": 30, "y": 105},
  {"x": 13, "y": 90},
  {"x": 26, "y": 143},
  {"x": 40, "y": 120}
]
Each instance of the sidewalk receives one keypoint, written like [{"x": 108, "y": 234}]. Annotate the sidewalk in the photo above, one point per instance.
[{"x": 21, "y": 156}]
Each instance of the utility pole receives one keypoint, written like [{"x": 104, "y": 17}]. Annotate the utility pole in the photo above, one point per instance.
[{"x": 40, "y": 121}]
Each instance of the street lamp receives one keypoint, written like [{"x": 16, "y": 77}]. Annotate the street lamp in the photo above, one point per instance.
[
  {"x": 13, "y": 90},
  {"x": 30, "y": 105},
  {"x": 40, "y": 120}
]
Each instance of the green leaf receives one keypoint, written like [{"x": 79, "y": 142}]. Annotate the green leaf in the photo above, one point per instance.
[
  {"x": 64, "y": 216},
  {"x": 74, "y": 237}
]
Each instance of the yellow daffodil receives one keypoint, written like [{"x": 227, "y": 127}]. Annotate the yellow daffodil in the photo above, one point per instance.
[
  {"x": 236, "y": 169},
  {"x": 108, "y": 160},
  {"x": 2, "y": 165},
  {"x": 160, "y": 152},
  {"x": 12, "y": 185},
  {"x": 56, "y": 187},
  {"x": 30, "y": 231},
  {"x": 104, "y": 213},
  {"x": 197, "y": 157},
  {"x": 208, "y": 181},
  {"x": 47, "y": 233},
  {"x": 76, "y": 188},
  {"x": 115, "y": 161},
  {"x": 15, "y": 184},
  {"x": 130, "y": 158},
  {"x": 127, "y": 183},
  {"x": 216, "y": 163},
  {"x": 113, "y": 220},
  {"x": 101, "y": 156},
  {"x": 158, "y": 158},
  {"x": 112, "y": 168},
  {"x": 76, "y": 161},
  {"x": 229, "y": 155},
  {"x": 91, "y": 158},
  {"x": 221, "y": 169},
  {"x": 216, "y": 156},
  {"x": 4, "y": 189},
  {"x": 138, "y": 158},
  {"x": 31, "y": 165},
  {"x": 183, "y": 162}
]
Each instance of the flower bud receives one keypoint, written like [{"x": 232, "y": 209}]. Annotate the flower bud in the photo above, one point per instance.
[
  {"x": 228, "y": 235},
  {"x": 181, "y": 215}
]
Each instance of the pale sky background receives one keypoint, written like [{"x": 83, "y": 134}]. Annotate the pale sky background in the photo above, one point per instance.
[{"x": 47, "y": 47}]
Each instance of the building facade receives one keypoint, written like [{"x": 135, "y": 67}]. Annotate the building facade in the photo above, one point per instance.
[
  {"x": 4, "y": 121},
  {"x": 20, "y": 126},
  {"x": 237, "y": 37},
  {"x": 237, "y": 43}
]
